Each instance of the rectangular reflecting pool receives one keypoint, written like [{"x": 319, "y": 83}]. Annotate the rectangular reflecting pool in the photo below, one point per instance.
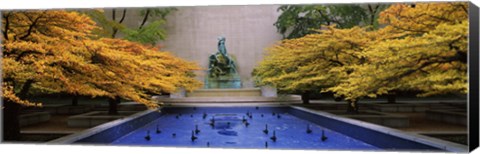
[
  {"x": 238, "y": 128},
  {"x": 253, "y": 127}
]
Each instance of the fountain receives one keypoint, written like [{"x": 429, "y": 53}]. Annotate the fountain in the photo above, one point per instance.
[
  {"x": 324, "y": 131},
  {"x": 196, "y": 129},
  {"x": 266, "y": 129},
  {"x": 323, "y": 136},
  {"x": 212, "y": 122},
  {"x": 246, "y": 123},
  {"x": 222, "y": 70},
  {"x": 193, "y": 137},
  {"x": 308, "y": 129},
  {"x": 204, "y": 115},
  {"x": 158, "y": 131},
  {"x": 223, "y": 84},
  {"x": 148, "y": 136},
  {"x": 274, "y": 137}
]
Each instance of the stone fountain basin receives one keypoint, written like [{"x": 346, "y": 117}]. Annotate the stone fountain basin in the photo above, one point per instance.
[{"x": 343, "y": 133}]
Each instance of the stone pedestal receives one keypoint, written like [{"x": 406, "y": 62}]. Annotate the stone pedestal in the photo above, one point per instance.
[
  {"x": 223, "y": 82},
  {"x": 268, "y": 91},
  {"x": 180, "y": 93}
]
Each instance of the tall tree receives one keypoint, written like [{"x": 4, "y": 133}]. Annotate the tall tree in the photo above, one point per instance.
[
  {"x": 430, "y": 58},
  {"x": 134, "y": 71},
  {"x": 149, "y": 31},
  {"x": 422, "y": 47},
  {"x": 33, "y": 45},
  {"x": 311, "y": 63},
  {"x": 54, "y": 51}
]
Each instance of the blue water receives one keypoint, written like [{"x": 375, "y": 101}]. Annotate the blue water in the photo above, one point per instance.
[{"x": 230, "y": 132}]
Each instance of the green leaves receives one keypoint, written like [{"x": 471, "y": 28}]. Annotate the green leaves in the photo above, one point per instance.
[
  {"x": 149, "y": 34},
  {"x": 150, "y": 29},
  {"x": 299, "y": 20}
]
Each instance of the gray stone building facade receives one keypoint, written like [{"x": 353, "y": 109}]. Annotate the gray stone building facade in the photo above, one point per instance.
[{"x": 192, "y": 33}]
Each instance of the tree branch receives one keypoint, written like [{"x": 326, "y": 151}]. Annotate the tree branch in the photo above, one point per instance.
[
  {"x": 123, "y": 16},
  {"x": 426, "y": 64},
  {"x": 25, "y": 53},
  {"x": 115, "y": 30},
  {"x": 144, "y": 19},
  {"x": 463, "y": 8},
  {"x": 30, "y": 28},
  {"x": 113, "y": 14},
  {"x": 7, "y": 25},
  {"x": 373, "y": 13},
  {"x": 25, "y": 88},
  {"x": 325, "y": 17}
]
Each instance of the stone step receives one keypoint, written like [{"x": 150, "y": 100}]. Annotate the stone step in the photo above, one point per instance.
[
  {"x": 48, "y": 132},
  {"x": 451, "y": 116},
  {"x": 244, "y": 92},
  {"x": 244, "y": 99},
  {"x": 33, "y": 118}
]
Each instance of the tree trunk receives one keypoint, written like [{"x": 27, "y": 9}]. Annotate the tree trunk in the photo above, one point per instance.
[
  {"x": 113, "y": 105},
  {"x": 75, "y": 100},
  {"x": 391, "y": 97},
  {"x": 337, "y": 99},
  {"x": 306, "y": 97},
  {"x": 115, "y": 29},
  {"x": 11, "y": 125},
  {"x": 352, "y": 107},
  {"x": 145, "y": 18}
]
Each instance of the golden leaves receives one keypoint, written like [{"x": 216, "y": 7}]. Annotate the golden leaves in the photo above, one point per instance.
[
  {"x": 306, "y": 62},
  {"x": 424, "y": 16},
  {"x": 8, "y": 94},
  {"x": 422, "y": 49},
  {"x": 57, "y": 51}
]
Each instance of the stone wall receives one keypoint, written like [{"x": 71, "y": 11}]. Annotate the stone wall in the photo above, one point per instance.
[{"x": 193, "y": 31}]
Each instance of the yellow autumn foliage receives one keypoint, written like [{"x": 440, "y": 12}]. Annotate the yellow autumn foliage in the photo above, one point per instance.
[
  {"x": 55, "y": 51},
  {"x": 421, "y": 48},
  {"x": 315, "y": 61}
]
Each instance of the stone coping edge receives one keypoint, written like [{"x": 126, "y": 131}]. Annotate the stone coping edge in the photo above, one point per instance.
[
  {"x": 34, "y": 114},
  {"x": 229, "y": 105},
  {"x": 450, "y": 112},
  {"x": 378, "y": 114},
  {"x": 92, "y": 114},
  {"x": 441, "y": 144},
  {"x": 89, "y": 132}
]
